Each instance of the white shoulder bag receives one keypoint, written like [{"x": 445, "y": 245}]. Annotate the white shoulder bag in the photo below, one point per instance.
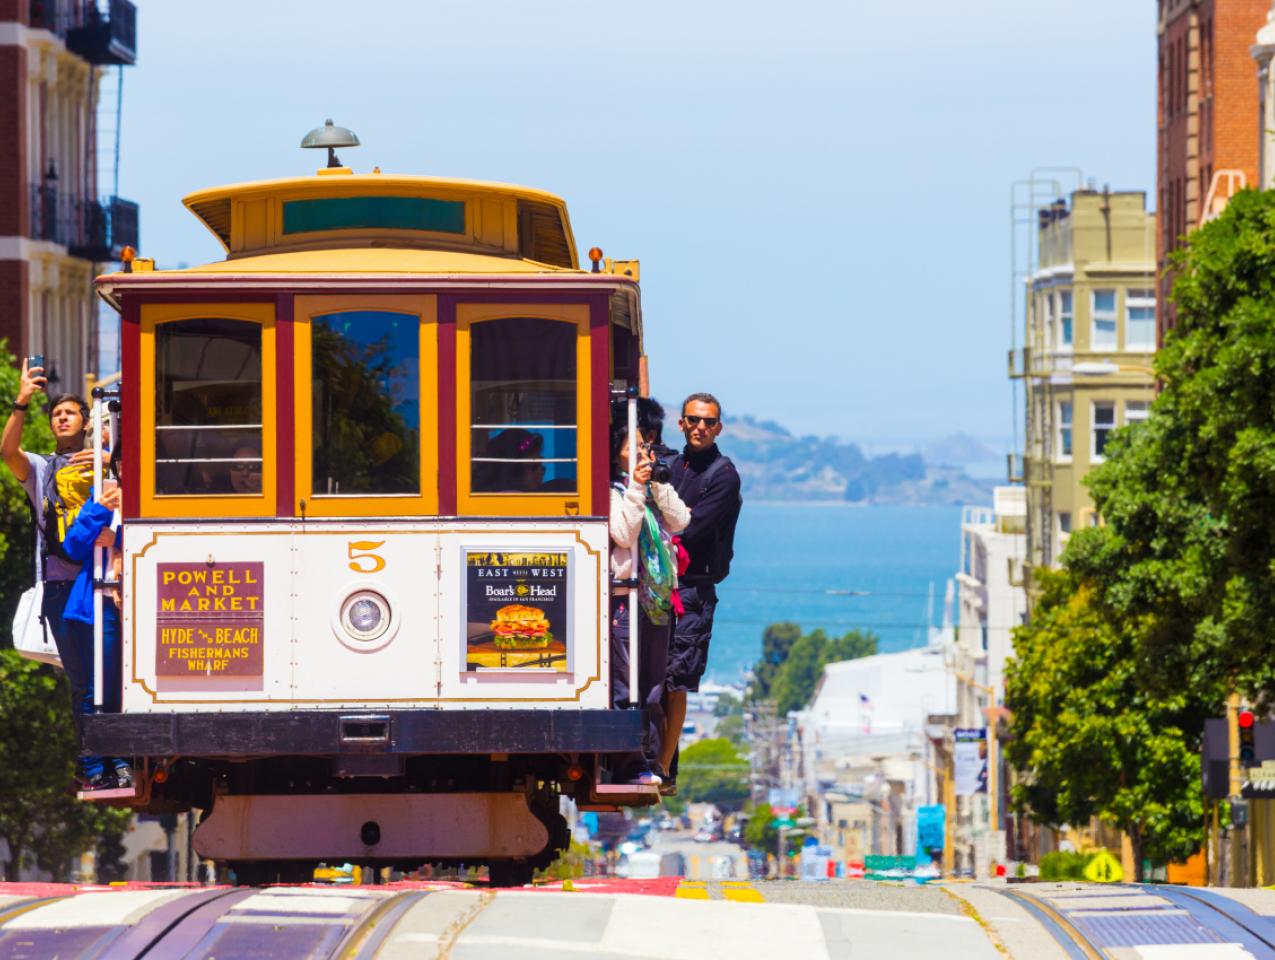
[{"x": 30, "y": 636}]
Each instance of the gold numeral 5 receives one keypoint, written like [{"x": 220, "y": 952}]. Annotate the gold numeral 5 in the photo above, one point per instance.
[{"x": 361, "y": 551}]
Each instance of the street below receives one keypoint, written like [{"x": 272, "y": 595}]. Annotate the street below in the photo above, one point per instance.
[{"x": 626, "y": 919}]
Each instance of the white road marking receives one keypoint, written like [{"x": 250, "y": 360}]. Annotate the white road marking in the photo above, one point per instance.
[
  {"x": 94, "y": 910},
  {"x": 1195, "y": 951}
]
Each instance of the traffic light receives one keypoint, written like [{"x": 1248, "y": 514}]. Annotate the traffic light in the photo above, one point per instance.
[{"x": 1248, "y": 749}]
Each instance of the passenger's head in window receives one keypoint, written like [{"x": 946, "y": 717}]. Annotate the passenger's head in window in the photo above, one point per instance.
[
  {"x": 245, "y": 471},
  {"x": 512, "y": 463}
]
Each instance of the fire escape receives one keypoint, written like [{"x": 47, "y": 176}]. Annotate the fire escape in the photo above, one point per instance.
[{"x": 104, "y": 33}]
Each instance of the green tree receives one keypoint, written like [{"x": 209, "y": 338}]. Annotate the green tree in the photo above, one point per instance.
[
  {"x": 1189, "y": 496},
  {"x": 728, "y": 705},
  {"x": 712, "y": 771},
  {"x": 1091, "y": 738},
  {"x": 17, "y": 537},
  {"x": 732, "y": 728},
  {"x": 40, "y": 818},
  {"x": 776, "y": 641},
  {"x": 797, "y": 677},
  {"x": 1178, "y": 583},
  {"x": 761, "y": 833}
]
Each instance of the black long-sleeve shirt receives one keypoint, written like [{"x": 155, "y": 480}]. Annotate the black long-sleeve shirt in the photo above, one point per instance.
[{"x": 711, "y": 509}]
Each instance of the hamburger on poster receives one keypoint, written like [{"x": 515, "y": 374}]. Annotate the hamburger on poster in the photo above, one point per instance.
[{"x": 521, "y": 627}]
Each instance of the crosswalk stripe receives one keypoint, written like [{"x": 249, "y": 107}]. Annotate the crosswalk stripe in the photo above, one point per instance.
[
  {"x": 742, "y": 893},
  {"x": 692, "y": 890}
]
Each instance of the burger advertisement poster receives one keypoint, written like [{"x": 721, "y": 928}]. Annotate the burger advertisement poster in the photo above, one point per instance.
[{"x": 516, "y": 610}]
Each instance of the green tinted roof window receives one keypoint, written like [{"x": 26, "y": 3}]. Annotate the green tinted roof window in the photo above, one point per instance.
[{"x": 381, "y": 213}]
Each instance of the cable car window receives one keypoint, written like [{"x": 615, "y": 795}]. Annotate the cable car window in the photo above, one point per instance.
[
  {"x": 208, "y": 407},
  {"x": 366, "y": 395},
  {"x": 523, "y": 405}
]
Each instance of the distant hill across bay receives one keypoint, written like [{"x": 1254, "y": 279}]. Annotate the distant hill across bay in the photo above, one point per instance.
[{"x": 776, "y": 465}]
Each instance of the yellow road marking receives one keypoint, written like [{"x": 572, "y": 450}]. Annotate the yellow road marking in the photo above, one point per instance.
[
  {"x": 16, "y": 910},
  {"x": 742, "y": 892},
  {"x": 691, "y": 890}
]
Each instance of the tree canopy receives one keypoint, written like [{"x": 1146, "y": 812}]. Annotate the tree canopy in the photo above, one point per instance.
[
  {"x": 1095, "y": 741},
  {"x": 1166, "y": 607},
  {"x": 712, "y": 771},
  {"x": 1188, "y": 498},
  {"x": 798, "y": 674},
  {"x": 40, "y": 818}
]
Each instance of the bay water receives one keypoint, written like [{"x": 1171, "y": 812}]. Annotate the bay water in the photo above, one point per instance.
[{"x": 833, "y": 566}]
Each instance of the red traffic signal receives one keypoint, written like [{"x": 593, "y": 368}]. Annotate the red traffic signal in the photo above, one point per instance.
[{"x": 1245, "y": 719}]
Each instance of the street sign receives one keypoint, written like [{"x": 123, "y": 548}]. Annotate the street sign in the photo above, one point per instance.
[
  {"x": 970, "y": 759},
  {"x": 783, "y": 823},
  {"x": 1104, "y": 868}
]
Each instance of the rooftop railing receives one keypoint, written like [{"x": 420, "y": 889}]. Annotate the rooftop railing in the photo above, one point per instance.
[{"x": 101, "y": 31}]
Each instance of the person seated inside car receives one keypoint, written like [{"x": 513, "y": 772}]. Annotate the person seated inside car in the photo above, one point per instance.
[{"x": 511, "y": 463}]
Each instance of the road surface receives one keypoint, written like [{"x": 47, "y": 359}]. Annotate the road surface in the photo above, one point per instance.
[{"x": 611, "y": 919}]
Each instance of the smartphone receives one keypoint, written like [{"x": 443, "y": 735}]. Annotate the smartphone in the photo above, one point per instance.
[
  {"x": 36, "y": 360},
  {"x": 109, "y": 484}
]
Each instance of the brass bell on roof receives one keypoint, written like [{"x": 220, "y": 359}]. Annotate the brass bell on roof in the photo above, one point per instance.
[{"x": 331, "y": 137}]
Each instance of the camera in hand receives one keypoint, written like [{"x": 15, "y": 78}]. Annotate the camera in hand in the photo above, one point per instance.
[{"x": 661, "y": 472}]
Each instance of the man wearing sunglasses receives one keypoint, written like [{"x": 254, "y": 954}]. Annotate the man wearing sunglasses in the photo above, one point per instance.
[{"x": 708, "y": 483}]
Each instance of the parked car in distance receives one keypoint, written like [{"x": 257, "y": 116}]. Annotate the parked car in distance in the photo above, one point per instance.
[
  {"x": 708, "y": 833},
  {"x": 647, "y": 864}
]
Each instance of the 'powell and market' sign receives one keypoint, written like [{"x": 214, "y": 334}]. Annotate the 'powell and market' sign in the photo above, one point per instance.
[{"x": 210, "y": 619}]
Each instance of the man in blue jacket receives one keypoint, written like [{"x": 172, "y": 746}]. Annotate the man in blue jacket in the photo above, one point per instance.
[{"x": 93, "y": 526}]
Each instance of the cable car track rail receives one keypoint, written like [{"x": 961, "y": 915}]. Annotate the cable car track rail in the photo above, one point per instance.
[
  {"x": 1076, "y": 945},
  {"x": 1233, "y": 915},
  {"x": 287, "y": 923}
]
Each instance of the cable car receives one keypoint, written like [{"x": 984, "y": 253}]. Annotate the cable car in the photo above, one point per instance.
[{"x": 365, "y": 552}]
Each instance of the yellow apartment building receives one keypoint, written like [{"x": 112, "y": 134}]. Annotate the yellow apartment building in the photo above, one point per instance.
[{"x": 1090, "y": 337}]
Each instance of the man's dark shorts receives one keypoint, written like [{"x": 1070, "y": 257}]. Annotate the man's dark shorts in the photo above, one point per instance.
[{"x": 688, "y": 649}]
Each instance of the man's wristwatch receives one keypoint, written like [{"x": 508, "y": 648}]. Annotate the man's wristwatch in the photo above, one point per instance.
[{"x": 19, "y": 406}]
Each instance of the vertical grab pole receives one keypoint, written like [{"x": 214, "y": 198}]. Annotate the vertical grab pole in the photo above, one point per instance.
[
  {"x": 98, "y": 671},
  {"x": 635, "y": 698}
]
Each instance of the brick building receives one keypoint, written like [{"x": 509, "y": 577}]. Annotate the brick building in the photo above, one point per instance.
[
  {"x": 1208, "y": 144},
  {"x": 55, "y": 227}
]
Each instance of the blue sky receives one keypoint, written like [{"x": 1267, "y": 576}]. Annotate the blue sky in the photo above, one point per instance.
[{"x": 818, "y": 192}]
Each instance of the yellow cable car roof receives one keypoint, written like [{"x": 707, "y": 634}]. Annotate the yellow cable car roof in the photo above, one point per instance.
[{"x": 339, "y": 209}]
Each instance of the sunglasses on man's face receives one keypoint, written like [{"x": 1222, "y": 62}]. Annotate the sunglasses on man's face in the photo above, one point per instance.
[{"x": 709, "y": 422}]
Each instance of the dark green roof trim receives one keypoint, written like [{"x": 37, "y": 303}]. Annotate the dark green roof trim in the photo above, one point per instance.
[{"x": 380, "y": 213}]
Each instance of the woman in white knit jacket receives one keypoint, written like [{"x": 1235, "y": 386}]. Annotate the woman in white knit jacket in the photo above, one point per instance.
[{"x": 630, "y": 498}]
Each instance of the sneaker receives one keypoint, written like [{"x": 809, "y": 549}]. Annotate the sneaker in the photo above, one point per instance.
[
  {"x": 99, "y": 781},
  {"x": 123, "y": 775},
  {"x": 668, "y": 788},
  {"x": 646, "y": 778}
]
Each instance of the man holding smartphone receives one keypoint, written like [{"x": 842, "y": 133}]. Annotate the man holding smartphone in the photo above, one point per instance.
[{"x": 57, "y": 485}]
